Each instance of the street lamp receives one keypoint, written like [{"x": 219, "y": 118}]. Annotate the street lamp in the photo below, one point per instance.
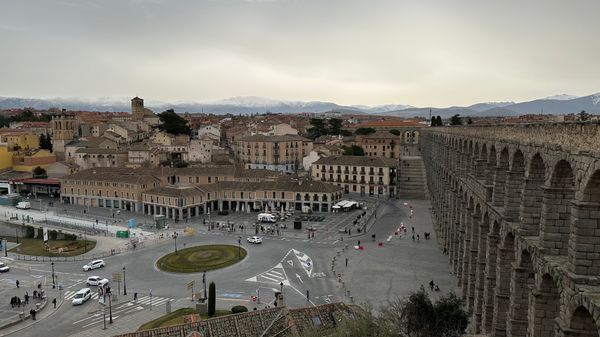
[
  {"x": 124, "y": 283},
  {"x": 53, "y": 282},
  {"x": 239, "y": 248}
]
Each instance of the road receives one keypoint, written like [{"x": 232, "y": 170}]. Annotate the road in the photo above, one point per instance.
[{"x": 375, "y": 274}]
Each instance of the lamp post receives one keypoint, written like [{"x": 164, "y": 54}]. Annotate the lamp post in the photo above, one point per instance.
[
  {"x": 17, "y": 234},
  {"x": 53, "y": 279},
  {"x": 124, "y": 283},
  {"x": 204, "y": 283},
  {"x": 109, "y": 293},
  {"x": 239, "y": 248}
]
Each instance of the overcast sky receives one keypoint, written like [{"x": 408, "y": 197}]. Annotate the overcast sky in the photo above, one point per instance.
[{"x": 419, "y": 52}]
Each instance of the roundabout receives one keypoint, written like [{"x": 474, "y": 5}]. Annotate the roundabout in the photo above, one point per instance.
[{"x": 201, "y": 258}]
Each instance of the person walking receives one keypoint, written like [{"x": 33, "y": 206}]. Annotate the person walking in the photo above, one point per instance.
[
  {"x": 17, "y": 283},
  {"x": 413, "y": 238},
  {"x": 32, "y": 313},
  {"x": 54, "y": 302},
  {"x": 26, "y": 297}
]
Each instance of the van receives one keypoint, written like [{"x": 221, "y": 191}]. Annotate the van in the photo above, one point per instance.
[
  {"x": 23, "y": 205},
  {"x": 82, "y": 296},
  {"x": 266, "y": 217}
]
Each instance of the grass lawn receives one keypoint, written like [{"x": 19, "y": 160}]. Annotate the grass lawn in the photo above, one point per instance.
[
  {"x": 176, "y": 318},
  {"x": 36, "y": 247},
  {"x": 200, "y": 258}
]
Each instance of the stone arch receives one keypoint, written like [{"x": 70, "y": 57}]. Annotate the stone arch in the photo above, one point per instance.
[
  {"x": 522, "y": 281},
  {"x": 506, "y": 257},
  {"x": 472, "y": 252},
  {"x": 583, "y": 259},
  {"x": 500, "y": 178},
  {"x": 491, "y": 258},
  {"x": 544, "y": 308},
  {"x": 514, "y": 186},
  {"x": 491, "y": 166},
  {"x": 531, "y": 206},
  {"x": 556, "y": 210},
  {"x": 582, "y": 323},
  {"x": 480, "y": 272}
]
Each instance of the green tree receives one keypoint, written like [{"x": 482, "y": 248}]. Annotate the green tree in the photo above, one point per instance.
[
  {"x": 345, "y": 133},
  {"x": 39, "y": 172},
  {"x": 335, "y": 126},
  {"x": 583, "y": 116},
  {"x": 212, "y": 299},
  {"x": 46, "y": 142},
  {"x": 354, "y": 150},
  {"x": 456, "y": 120},
  {"x": 318, "y": 128},
  {"x": 438, "y": 120},
  {"x": 395, "y": 132},
  {"x": 173, "y": 123},
  {"x": 469, "y": 121},
  {"x": 364, "y": 131}
]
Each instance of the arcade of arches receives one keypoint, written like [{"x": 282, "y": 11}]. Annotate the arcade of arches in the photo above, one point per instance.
[{"x": 518, "y": 211}]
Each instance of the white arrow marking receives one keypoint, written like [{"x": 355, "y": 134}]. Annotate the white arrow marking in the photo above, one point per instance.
[
  {"x": 298, "y": 276},
  {"x": 290, "y": 262}
]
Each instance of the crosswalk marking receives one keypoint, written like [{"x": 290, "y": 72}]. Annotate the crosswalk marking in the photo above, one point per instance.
[
  {"x": 274, "y": 275},
  {"x": 69, "y": 294}
]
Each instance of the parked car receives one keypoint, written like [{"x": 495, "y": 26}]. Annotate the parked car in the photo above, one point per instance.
[
  {"x": 82, "y": 296},
  {"x": 255, "y": 239},
  {"x": 4, "y": 268},
  {"x": 96, "y": 281},
  {"x": 94, "y": 265}
]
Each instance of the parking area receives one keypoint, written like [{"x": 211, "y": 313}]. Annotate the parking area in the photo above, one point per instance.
[{"x": 322, "y": 226}]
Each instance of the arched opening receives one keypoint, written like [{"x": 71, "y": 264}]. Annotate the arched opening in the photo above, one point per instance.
[
  {"x": 480, "y": 273},
  {"x": 466, "y": 248},
  {"x": 472, "y": 253},
  {"x": 522, "y": 280},
  {"x": 545, "y": 302},
  {"x": 583, "y": 324},
  {"x": 583, "y": 254},
  {"x": 491, "y": 166},
  {"x": 556, "y": 210},
  {"x": 514, "y": 187},
  {"x": 531, "y": 207},
  {"x": 500, "y": 178},
  {"x": 506, "y": 257},
  {"x": 491, "y": 258}
]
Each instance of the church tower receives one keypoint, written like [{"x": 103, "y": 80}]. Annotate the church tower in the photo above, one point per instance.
[{"x": 137, "y": 108}]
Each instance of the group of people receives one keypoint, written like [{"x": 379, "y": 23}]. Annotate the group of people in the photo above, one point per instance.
[{"x": 433, "y": 286}]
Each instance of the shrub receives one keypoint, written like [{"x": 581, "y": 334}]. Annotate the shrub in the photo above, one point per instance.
[
  {"x": 29, "y": 232},
  {"x": 53, "y": 235},
  {"x": 238, "y": 308},
  {"x": 212, "y": 299}
]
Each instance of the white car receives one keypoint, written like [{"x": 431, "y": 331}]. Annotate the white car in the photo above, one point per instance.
[
  {"x": 94, "y": 265},
  {"x": 82, "y": 296},
  {"x": 255, "y": 239},
  {"x": 4, "y": 268},
  {"x": 96, "y": 281}
]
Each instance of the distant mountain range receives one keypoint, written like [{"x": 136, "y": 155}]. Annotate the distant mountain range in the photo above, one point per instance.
[{"x": 558, "y": 104}]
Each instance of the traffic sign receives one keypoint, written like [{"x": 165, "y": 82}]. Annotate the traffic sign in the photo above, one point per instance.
[
  {"x": 190, "y": 285},
  {"x": 116, "y": 277}
]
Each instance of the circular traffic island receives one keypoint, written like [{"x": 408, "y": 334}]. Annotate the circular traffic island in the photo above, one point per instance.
[{"x": 201, "y": 258}]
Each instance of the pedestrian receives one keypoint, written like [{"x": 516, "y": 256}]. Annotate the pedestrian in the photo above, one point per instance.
[
  {"x": 358, "y": 243},
  {"x": 54, "y": 302},
  {"x": 413, "y": 238},
  {"x": 431, "y": 284},
  {"x": 413, "y": 229},
  {"x": 32, "y": 313},
  {"x": 17, "y": 283},
  {"x": 18, "y": 302},
  {"x": 445, "y": 251},
  {"x": 26, "y": 298},
  {"x": 418, "y": 237}
]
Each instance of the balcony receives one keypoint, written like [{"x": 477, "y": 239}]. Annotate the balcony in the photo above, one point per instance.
[
  {"x": 362, "y": 172},
  {"x": 380, "y": 173}
]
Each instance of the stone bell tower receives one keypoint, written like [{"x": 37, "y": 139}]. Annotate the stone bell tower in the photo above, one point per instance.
[{"x": 137, "y": 108}]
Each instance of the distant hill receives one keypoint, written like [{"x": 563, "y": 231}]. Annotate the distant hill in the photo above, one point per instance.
[{"x": 561, "y": 104}]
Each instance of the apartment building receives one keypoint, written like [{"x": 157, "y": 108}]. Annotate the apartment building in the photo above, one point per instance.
[
  {"x": 358, "y": 174},
  {"x": 278, "y": 153}
]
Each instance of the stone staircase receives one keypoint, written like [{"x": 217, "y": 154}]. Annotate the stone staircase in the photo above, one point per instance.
[{"x": 412, "y": 179}]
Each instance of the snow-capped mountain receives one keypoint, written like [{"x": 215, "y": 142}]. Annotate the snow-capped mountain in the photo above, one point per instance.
[{"x": 561, "y": 97}]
